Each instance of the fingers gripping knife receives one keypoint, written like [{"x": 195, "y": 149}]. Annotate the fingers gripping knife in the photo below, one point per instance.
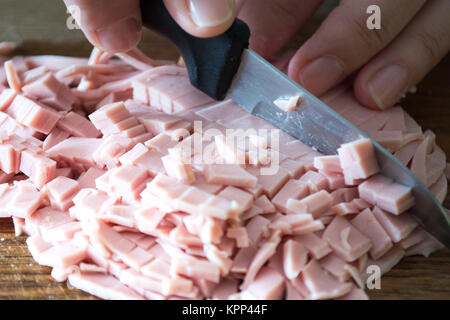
[{"x": 224, "y": 67}]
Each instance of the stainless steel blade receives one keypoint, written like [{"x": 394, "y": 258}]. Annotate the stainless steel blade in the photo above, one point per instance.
[{"x": 258, "y": 84}]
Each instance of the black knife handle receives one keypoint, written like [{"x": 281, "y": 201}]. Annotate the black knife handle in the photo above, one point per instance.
[{"x": 211, "y": 62}]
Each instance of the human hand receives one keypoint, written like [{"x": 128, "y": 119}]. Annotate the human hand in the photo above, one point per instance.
[
  {"x": 115, "y": 25},
  {"x": 414, "y": 37}
]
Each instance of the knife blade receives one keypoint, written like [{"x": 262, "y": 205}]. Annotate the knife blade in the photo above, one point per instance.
[
  {"x": 223, "y": 66},
  {"x": 257, "y": 84}
]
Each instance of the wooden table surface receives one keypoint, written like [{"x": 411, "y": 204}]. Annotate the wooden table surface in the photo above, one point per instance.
[{"x": 40, "y": 28}]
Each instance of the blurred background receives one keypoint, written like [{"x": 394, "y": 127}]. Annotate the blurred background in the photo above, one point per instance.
[{"x": 40, "y": 27}]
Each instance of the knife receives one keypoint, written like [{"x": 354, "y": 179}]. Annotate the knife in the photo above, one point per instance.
[{"x": 224, "y": 67}]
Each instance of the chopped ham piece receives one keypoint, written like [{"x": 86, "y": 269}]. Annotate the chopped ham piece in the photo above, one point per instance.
[
  {"x": 6, "y": 97},
  {"x": 54, "y": 137},
  {"x": 345, "y": 240},
  {"x": 33, "y": 114},
  {"x": 397, "y": 227},
  {"x": 328, "y": 164},
  {"x": 76, "y": 150},
  {"x": 47, "y": 87},
  {"x": 288, "y": 104},
  {"x": 368, "y": 225},
  {"x": 228, "y": 174},
  {"x": 358, "y": 160},
  {"x": 318, "y": 247},
  {"x": 295, "y": 257},
  {"x": 293, "y": 189},
  {"x": 389, "y": 260},
  {"x": 321, "y": 285},
  {"x": 316, "y": 204},
  {"x": 335, "y": 266},
  {"x": 425, "y": 247},
  {"x": 240, "y": 234},
  {"x": 12, "y": 76},
  {"x": 268, "y": 285},
  {"x": 386, "y": 194},
  {"x": 61, "y": 190},
  {"x": 177, "y": 169},
  {"x": 78, "y": 126},
  {"x": 104, "y": 286}
]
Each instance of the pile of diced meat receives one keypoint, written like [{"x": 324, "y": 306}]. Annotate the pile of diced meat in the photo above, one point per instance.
[{"x": 103, "y": 166}]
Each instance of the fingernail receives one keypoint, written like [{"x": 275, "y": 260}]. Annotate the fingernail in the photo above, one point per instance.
[
  {"x": 211, "y": 13},
  {"x": 388, "y": 85},
  {"x": 120, "y": 36},
  {"x": 322, "y": 74}
]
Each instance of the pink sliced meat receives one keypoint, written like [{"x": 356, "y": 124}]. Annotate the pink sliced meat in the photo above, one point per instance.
[
  {"x": 391, "y": 140},
  {"x": 389, "y": 260},
  {"x": 25, "y": 201},
  {"x": 179, "y": 170},
  {"x": 328, "y": 164},
  {"x": 33, "y": 114},
  {"x": 60, "y": 255},
  {"x": 134, "y": 201},
  {"x": 315, "y": 181},
  {"x": 6, "y": 98},
  {"x": 48, "y": 86},
  {"x": 78, "y": 126},
  {"x": 386, "y": 194},
  {"x": 54, "y": 137},
  {"x": 227, "y": 174},
  {"x": 397, "y": 227},
  {"x": 244, "y": 199},
  {"x": 321, "y": 285},
  {"x": 61, "y": 190},
  {"x": 294, "y": 168},
  {"x": 104, "y": 286},
  {"x": 240, "y": 235},
  {"x": 425, "y": 247},
  {"x": 439, "y": 189},
  {"x": 12, "y": 77},
  {"x": 288, "y": 104},
  {"x": 265, "y": 252},
  {"x": 418, "y": 235},
  {"x": 358, "y": 160},
  {"x": 369, "y": 226},
  {"x": 268, "y": 285},
  {"x": 295, "y": 257},
  {"x": 318, "y": 247},
  {"x": 317, "y": 203},
  {"x": 38, "y": 168},
  {"x": 345, "y": 240},
  {"x": 75, "y": 149},
  {"x": 335, "y": 266},
  {"x": 293, "y": 189},
  {"x": 87, "y": 179}
]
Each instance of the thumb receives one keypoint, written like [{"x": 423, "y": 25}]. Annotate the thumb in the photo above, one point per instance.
[
  {"x": 111, "y": 25},
  {"x": 203, "y": 18}
]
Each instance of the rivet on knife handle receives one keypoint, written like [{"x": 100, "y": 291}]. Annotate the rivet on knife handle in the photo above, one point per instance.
[{"x": 211, "y": 62}]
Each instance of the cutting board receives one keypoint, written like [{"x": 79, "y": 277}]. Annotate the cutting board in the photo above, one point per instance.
[{"x": 42, "y": 29}]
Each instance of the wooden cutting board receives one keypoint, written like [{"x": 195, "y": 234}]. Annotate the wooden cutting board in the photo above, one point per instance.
[{"x": 42, "y": 30}]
